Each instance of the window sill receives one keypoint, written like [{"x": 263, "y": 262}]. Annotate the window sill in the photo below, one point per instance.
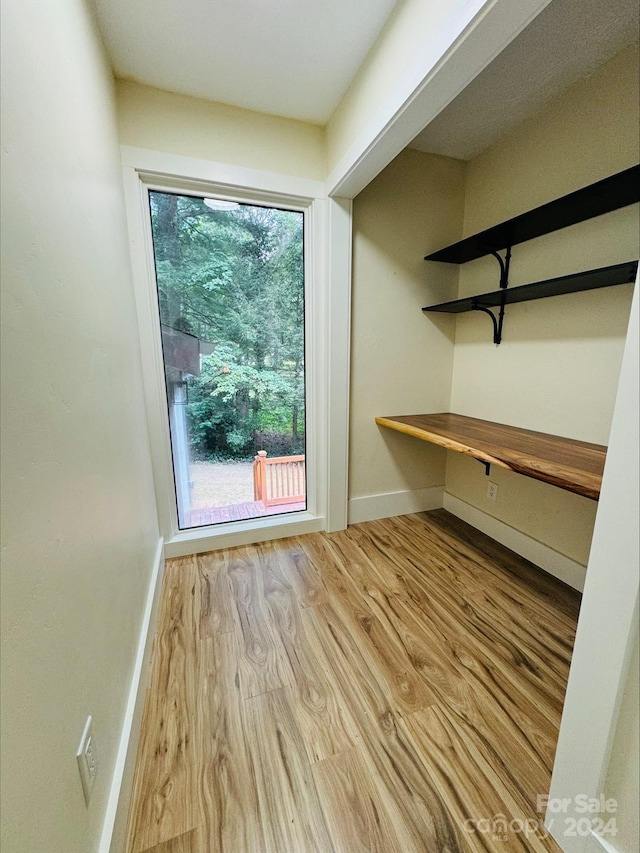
[{"x": 231, "y": 534}]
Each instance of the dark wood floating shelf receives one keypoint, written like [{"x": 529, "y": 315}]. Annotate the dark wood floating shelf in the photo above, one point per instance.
[
  {"x": 571, "y": 465},
  {"x": 616, "y": 191},
  {"x": 574, "y": 283}
]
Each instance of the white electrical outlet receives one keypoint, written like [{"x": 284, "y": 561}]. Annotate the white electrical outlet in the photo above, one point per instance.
[
  {"x": 492, "y": 491},
  {"x": 87, "y": 759}
]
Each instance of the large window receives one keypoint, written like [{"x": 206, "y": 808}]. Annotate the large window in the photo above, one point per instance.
[{"x": 230, "y": 285}]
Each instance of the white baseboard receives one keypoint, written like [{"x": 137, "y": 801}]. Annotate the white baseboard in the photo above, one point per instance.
[
  {"x": 115, "y": 820},
  {"x": 565, "y": 569},
  {"x": 371, "y": 507}
]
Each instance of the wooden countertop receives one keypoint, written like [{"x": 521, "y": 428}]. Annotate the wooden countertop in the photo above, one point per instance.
[{"x": 571, "y": 465}]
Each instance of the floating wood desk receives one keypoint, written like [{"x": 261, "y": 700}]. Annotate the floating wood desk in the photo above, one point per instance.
[{"x": 571, "y": 465}]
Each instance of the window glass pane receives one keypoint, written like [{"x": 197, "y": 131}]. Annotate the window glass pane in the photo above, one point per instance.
[{"x": 230, "y": 281}]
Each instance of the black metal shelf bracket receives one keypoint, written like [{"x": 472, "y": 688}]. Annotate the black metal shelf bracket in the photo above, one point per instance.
[
  {"x": 504, "y": 265},
  {"x": 487, "y": 466},
  {"x": 498, "y": 322}
]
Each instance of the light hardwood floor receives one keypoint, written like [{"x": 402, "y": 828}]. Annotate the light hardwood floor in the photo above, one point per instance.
[{"x": 379, "y": 689}]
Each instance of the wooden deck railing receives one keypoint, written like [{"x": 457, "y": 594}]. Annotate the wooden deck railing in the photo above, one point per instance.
[{"x": 279, "y": 480}]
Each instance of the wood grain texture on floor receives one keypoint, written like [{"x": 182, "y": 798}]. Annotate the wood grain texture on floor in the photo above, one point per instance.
[{"x": 392, "y": 688}]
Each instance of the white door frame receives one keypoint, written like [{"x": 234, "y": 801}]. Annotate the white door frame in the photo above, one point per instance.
[
  {"x": 450, "y": 58},
  {"x": 607, "y": 626},
  {"x": 327, "y": 282}
]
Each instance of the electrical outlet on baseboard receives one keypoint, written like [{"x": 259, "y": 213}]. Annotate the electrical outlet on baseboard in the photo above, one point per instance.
[
  {"x": 87, "y": 757},
  {"x": 492, "y": 491}
]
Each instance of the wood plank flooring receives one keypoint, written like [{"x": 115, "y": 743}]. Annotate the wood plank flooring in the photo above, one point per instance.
[{"x": 381, "y": 689}]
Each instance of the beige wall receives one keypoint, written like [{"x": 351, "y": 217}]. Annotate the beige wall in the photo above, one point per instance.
[
  {"x": 557, "y": 368},
  {"x": 623, "y": 778},
  {"x": 79, "y": 525},
  {"x": 401, "y": 362},
  {"x": 412, "y": 28},
  {"x": 163, "y": 121}
]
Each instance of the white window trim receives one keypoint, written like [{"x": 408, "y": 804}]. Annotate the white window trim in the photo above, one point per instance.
[{"x": 327, "y": 297}]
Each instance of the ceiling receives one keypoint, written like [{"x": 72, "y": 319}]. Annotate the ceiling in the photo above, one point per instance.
[
  {"x": 296, "y": 58},
  {"x": 565, "y": 42},
  {"x": 291, "y": 58}
]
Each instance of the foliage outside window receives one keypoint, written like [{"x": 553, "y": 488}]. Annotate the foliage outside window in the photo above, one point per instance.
[{"x": 234, "y": 279}]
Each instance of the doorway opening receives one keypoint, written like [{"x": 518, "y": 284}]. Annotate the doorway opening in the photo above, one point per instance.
[{"x": 230, "y": 283}]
